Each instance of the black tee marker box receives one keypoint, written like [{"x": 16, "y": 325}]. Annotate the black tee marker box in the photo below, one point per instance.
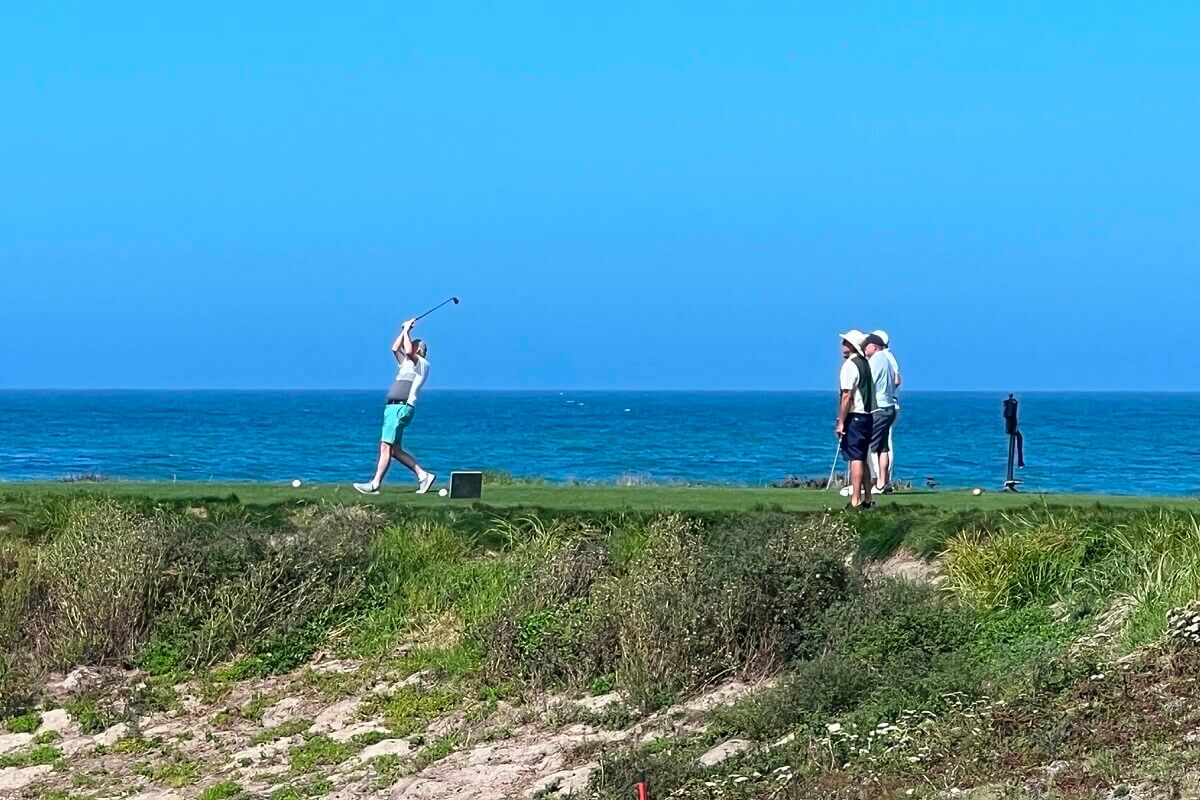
[{"x": 466, "y": 485}]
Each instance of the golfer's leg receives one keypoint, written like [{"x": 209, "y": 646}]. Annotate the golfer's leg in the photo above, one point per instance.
[
  {"x": 385, "y": 461},
  {"x": 887, "y": 476},
  {"x": 885, "y": 469},
  {"x": 405, "y": 458},
  {"x": 857, "y": 484}
]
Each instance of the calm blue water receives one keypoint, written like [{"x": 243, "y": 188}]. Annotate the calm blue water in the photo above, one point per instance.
[{"x": 1120, "y": 443}]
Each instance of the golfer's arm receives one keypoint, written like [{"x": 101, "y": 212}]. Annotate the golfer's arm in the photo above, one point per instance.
[
  {"x": 844, "y": 405},
  {"x": 416, "y": 388},
  {"x": 402, "y": 347}
]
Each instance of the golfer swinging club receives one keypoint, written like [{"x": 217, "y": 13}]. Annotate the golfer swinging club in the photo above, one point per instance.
[{"x": 398, "y": 413}]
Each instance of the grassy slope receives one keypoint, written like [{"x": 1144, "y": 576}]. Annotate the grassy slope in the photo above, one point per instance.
[
  {"x": 592, "y": 498},
  {"x": 498, "y": 602}
]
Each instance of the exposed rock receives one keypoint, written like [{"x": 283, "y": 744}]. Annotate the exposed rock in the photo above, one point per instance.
[
  {"x": 113, "y": 735},
  {"x": 349, "y": 732},
  {"x": 565, "y": 783},
  {"x": 337, "y": 716},
  {"x": 724, "y": 695},
  {"x": 388, "y": 747},
  {"x": 281, "y": 712},
  {"x": 16, "y": 778},
  {"x": 785, "y": 741},
  {"x": 335, "y": 667},
  {"x": 75, "y": 745},
  {"x": 267, "y": 750},
  {"x": 14, "y": 741},
  {"x": 418, "y": 679},
  {"x": 599, "y": 702},
  {"x": 78, "y": 680},
  {"x": 58, "y": 720},
  {"x": 725, "y": 751},
  {"x": 166, "y": 730}
]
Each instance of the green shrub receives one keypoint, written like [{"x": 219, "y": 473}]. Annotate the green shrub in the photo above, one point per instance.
[
  {"x": 292, "y": 727},
  {"x": 435, "y": 752},
  {"x": 1036, "y": 558},
  {"x": 267, "y": 594},
  {"x": 39, "y": 755},
  {"x": 225, "y": 790},
  {"x": 92, "y": 715},
  {"x": 18, "y": 684},
  {"x": 912, "y": 643},
  {"x": 99, "y": 577},
  {"x": 742, "y": 601},
  {"x": 319, "y": 751},
  {"x": 410, "y": 709},
  {"x": 18, "y": 590},
  {"x": 423, "y": 573},
  {"x": 804, "y": 700},
  {"x": 177, "y": 773},
  {"x": 1156, "y": 562},
  {"x": 25, "y": 723},
  {"x": 550, "y": 631},
  {"x": 387, "y": 769}
]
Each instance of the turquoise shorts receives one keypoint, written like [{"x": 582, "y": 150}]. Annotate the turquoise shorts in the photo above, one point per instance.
[{"x": 395, "y": 419}]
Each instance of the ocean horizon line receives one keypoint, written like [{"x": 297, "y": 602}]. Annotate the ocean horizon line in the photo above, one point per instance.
[{"x": 560, "y": 390}]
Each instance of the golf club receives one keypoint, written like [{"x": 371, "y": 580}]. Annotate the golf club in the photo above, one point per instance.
[
  {"x": 435, "y": 308},
  {"x": 833, "y": 469}
]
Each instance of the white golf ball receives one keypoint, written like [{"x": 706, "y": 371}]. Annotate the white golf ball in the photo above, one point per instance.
[
  {"x": 977, "y": 491},
  {"x": 442, "y": 493},
  {"x": 296, "y": 483}
]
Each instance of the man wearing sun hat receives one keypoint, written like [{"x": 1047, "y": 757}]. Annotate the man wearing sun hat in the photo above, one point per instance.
[{"x": 855, "y": 406}]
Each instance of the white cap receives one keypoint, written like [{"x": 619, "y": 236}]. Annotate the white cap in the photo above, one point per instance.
[
  {"x": 855, "y": 337},
  {"x": 882, "y": 334}
]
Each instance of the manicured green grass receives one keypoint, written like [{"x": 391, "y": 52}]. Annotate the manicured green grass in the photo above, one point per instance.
[{"x": 582, "y": 498}]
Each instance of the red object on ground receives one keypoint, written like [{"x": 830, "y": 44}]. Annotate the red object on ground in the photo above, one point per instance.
[{"x": 643, "y": 792}]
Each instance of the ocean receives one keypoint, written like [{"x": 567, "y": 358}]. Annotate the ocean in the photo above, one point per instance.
[{"x": 1119, "y": 443}]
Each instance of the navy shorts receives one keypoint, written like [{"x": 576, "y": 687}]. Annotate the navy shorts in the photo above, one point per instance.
[{"x": 856, "y": 437}]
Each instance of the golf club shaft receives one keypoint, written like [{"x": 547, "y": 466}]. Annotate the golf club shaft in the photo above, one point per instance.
[
  {"x": 833, "y": 469},
  {"x": 435, "y": 308}
]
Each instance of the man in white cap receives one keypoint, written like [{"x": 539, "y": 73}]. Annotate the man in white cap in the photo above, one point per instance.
[
  {"x": 855, "y": 406},
  {"x": 885, "y": 412},
  {"x": 887, "y": 351},
  {"x": 886, "y": 370}
]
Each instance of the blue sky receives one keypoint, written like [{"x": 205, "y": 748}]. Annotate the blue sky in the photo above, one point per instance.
[{"x": 669, "y": 195}]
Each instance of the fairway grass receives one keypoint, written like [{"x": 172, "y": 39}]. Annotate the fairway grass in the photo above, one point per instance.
[{"x": 585, "y": 498}]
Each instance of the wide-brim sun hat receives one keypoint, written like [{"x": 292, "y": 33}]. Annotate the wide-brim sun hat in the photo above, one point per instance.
[
  {"x": 855, "y": 337},
  {"x": 882, "y": 334}
]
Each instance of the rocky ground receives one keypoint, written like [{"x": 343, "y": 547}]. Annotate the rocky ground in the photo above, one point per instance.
[{"x": 331, "y": 730}]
